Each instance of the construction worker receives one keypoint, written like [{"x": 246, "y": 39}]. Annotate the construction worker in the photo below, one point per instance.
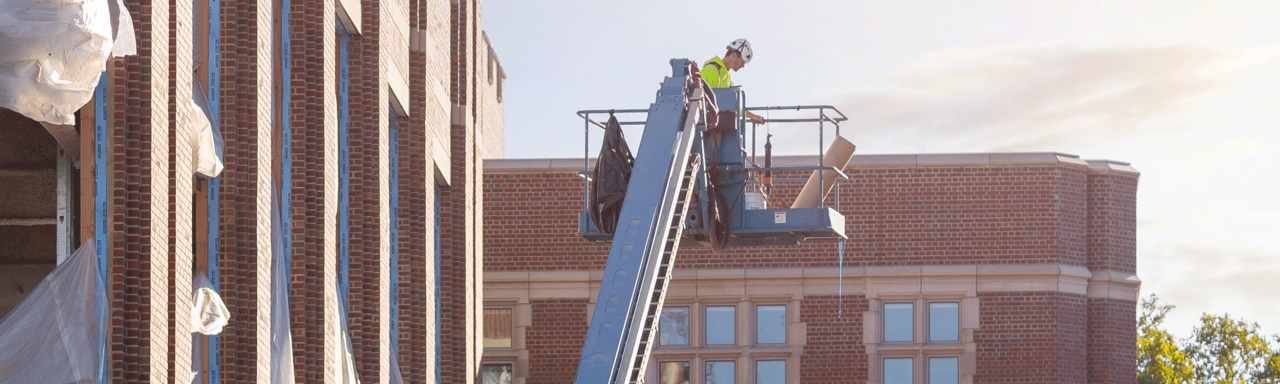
[{"x": 716, "y": 70}]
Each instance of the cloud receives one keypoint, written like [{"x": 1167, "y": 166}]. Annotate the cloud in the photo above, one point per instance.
[
  {"x": 1201, "y": 279},
  {"x": 1033, "y": 97}
]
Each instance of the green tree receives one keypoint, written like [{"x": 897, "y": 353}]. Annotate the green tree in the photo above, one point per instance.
[
  {"x": 1226, "y": 350},
  {"x": 1160, "y": 359}
]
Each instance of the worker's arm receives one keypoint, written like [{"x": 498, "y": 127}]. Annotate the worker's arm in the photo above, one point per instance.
[{"x": 753, "y": 117}]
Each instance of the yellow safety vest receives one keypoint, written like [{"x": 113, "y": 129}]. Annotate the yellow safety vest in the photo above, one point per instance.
[{"x": 717, "y": 76}]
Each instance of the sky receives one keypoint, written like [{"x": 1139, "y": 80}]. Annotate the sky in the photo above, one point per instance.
[{"x": 1186, "y": 91}]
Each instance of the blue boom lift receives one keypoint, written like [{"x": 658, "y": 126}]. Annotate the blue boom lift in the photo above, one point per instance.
[{"x": 686, "y": 186}]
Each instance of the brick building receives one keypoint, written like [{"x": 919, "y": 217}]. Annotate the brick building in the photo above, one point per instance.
[
  {"x": 367, "y": 119},
  {"x": 970, "y": 268}
]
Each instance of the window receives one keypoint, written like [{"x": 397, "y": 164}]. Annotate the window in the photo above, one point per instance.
[
  {"x": 771, "y": 324},
  {"x": 720, "y": 325},
  {"x": 720, "y": 372},
  {"x": 897, "y": 370},
  {"x": 899, "y": 322},
  {"x": 673, "y": 372},
  {"x": 495, "y": 373},
  {"x": 944, "y": 370},
  {"x": 771, "y": 372},
  {"x": 497, "y": 327},
  {"x": 673, "y": 327},
  {"x": 944, "y": 321}
]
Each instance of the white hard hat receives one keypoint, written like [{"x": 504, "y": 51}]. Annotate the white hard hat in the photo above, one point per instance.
[{"x": 743, "y": 47}]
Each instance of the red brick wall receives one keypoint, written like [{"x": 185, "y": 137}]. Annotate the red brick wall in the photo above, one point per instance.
[
  {"x": 1030, "y": 337},
  {"x": 139, "y": 197},
  {"x": 898, "y": 216},
  {"x": 1113, "y": 222},
  {"x": 368, "y": 117},
  {"x": 555, "y": 339},
  {"x": 922, "y": 216},
  {"x": 834, "y": 352},
  {"x": 1113, "y": 337},
  {"x": 461, "y": 214},
  {"x": 312, "y": 94},
  {"x": 129, "y": 211}
]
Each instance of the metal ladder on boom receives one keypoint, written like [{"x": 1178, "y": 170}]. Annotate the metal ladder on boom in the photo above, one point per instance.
[
  {"x": 647, "y": 237},
  {"x": 680, "y": 170}
]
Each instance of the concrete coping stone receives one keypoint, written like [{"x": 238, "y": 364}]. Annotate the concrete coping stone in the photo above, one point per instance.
[
  {"x": 1102, "y": 167},
  {"x": 887, "y": 161}
]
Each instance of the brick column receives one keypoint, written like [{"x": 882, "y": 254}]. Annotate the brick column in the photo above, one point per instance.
[
  {"x": 313, "y": 196},
  {"x": 370, "y": 201},
  {"x": 1112, "y": 244},
  {"x": 416, "y": 216},
  {"x": 138, "y": 201},
  {"x": 244, "y": 214},
  {"x": 460, "y": 216}
]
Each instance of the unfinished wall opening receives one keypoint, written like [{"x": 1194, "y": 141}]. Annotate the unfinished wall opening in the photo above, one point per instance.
[{"x": 30, "y": 175}]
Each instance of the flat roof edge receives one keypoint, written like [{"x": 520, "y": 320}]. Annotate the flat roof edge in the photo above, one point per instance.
[{"x": 931, "y": 160}]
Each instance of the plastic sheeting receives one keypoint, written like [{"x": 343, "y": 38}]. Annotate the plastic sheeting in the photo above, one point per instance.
[
  {"x": 55, "y": 335},
  {"x": 281, "y": 340},
  {"x": 209, "y": 314},
  {"x": 208, "y": 139},
  {"x": 609, "y": 179},
  {"x": 348, "y": 365},
  {"x": 53, "y": 51}
]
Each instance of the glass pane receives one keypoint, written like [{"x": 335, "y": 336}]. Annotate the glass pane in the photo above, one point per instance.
[
  {"x": 673, "y": 372},
  {"x": 944, "y": 370},
  {"x": 771, "y": 372},
  {"x": 495, "y": 373},
  {"x": 720, "y": 372},
  {"x": 898, "y": 321},
  {"x": 771, "y": 324},
  {"x": 497, "y": 328},
  {"x": 897, "y": 371},
  {"x": 944, "y": 321},
  {"x": 720, "y": 325},
  {"x": 673, "y": 327}
]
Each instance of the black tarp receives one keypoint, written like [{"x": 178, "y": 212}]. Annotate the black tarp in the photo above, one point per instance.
[{"x": 609, "y": 179}]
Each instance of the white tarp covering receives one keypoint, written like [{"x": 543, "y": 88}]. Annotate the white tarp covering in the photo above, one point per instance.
[
  {"x": 52, "y": 53},
  {"x": 348, "y": 364},
  {"x": 281, "y": 340},
  {"x": 208, "y": 139},
  {"x": 55, "y": 335},
  {"x": 208, "y": 313}
]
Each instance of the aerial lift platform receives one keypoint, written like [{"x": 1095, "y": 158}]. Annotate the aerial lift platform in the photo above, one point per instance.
[{"x": 688, "y": 186}]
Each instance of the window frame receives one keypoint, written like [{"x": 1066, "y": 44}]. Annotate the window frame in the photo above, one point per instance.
[
  {"x": 510, "y": 364},
  {"x": 928, "y": 371},
  {"x": 885, "y": 358},
  {"x": 928, "y": 321},
  {"x": 884, "y": 323},
  {"x": 688, "y": 368},
  {"x": 708, "y": 361},
  {"x": 705, "y": 329},
  {"x": 511, "y": 344},
  {"x": 755, "y": 319},
  {"x": 756, "y": 367},
  {"x": 688, "y": 326}
]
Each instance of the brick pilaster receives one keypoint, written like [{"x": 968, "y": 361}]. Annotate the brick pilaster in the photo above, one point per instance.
[
  {"x": 370, "y": 201},
  {"x": 244, "y": 242},
  {"x": 460, "y": 217},
  {"x": 138, "y": 201},
  {"x": 313, "y": 191},
  {"x": 1112, "y": 245}
]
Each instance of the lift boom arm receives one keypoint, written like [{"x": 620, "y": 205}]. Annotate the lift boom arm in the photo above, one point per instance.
[{"x": 647, "y": 236}]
